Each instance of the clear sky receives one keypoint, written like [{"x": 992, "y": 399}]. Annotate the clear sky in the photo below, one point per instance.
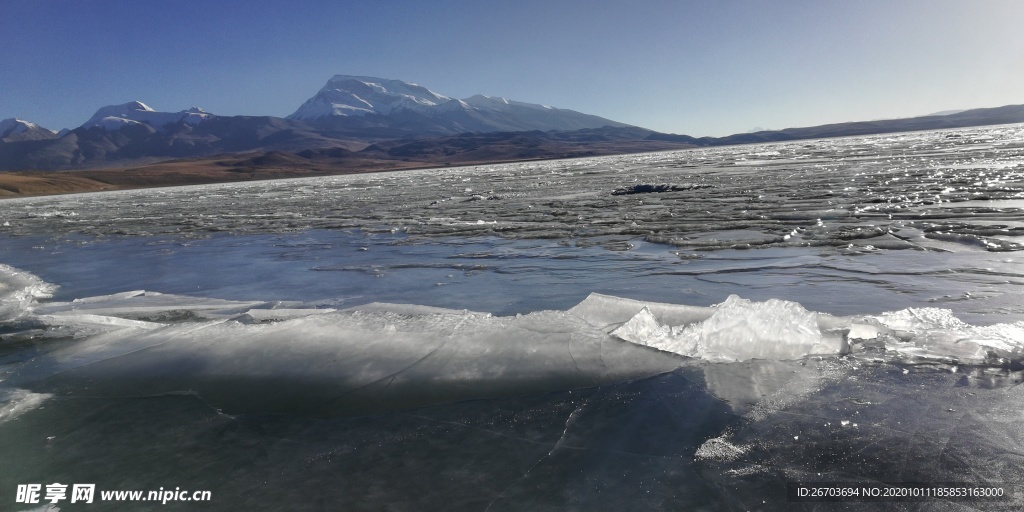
[{"x": 698, "y": 67}]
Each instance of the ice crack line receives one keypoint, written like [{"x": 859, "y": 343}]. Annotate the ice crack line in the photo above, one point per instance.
[
  {"x": 568, "y": 422},
  {"x": 390, "y": 378},
  {"x": 474, "y": 427},
  {"x": 574, "y": 362},
  {"x": 532, "y": 441},
  {"x": 174, "y": 338}
]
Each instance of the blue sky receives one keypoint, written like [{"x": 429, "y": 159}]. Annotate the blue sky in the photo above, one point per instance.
[{"x": 694, "y": 67}]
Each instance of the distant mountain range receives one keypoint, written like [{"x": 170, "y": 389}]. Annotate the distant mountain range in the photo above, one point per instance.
[
  {"x": 958, "y": 119},
  {"x": 349, "y": 112},
  {"x": 387, "y": 119}
]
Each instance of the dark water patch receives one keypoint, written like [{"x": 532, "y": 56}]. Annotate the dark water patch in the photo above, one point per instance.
[{"x": 555, "y": 450}]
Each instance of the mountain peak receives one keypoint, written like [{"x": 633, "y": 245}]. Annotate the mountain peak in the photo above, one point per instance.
[
  {"x": 11, "y": 123},
  {"x": 114, "y": 117},
  {"x": 138, "y": 105},
  {"x": 351, "y": 95},
  {"x": 18, "y": 129},
  {"x": 346, "y": 98}
]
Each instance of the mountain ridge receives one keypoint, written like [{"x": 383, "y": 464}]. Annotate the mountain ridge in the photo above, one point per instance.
[
  {"x": 348, "y": 112},
  {"x": 353, "y": 112},
  {"x": 1007, "y": 114},
  {"x": 353, "y": 102}
]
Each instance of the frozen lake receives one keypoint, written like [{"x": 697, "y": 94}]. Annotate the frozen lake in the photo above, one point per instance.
[{"x": 543, "y": 336}]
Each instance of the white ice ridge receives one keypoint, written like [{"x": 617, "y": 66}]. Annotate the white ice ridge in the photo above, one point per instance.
[
  {"x": 735, "y": 330},
  {"x": 375, "y": 357},
  {"x": 272, "y": 357},
  {"x": 739, "y": 330},
  {"x": 18, "y": 291}
]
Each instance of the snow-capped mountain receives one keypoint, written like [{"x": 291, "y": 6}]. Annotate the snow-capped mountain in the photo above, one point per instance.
[
  {"x": 375, "y": 119},
  {"x": 14, "y": 129},
  {"x": 115, "y": 117},
  {"x": 350, "y": 101},
  {"x": 348, "y": 112},
  {"x": 346, "y": 95},
  {"x": 503, "y": 104}
]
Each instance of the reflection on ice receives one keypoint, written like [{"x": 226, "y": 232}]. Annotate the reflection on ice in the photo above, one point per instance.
[{"x": 758, "y": 388}]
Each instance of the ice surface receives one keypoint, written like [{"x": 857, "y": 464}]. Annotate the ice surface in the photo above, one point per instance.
[
  {"x": 346, "y": 362},
  {"x": 891, "y": 251},
  {"x": 49, "y": 507},
  {"x": 270, "y": 315},
  {"x": 660, "y": 443},
  {"x": 154, "y": 306},
  {"x": 411, "y": 309},
  {"x": 930, "y": 190},
  {"x": 251, "y": 356},
  {"x": 15, "y": 402}
]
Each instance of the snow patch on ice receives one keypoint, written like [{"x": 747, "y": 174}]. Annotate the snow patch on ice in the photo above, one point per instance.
[
  {"x": 15, "y": 402},
  {"x": 720, "y": 449}
]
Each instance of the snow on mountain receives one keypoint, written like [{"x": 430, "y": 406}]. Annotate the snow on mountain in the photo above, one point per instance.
[
  {"x": 114, "y": 117},
  {"x": 14, "y": 125},
  {"x": 453, "y": 105},
  {"x": 112, "y": 123},
  {"x": 346, "y": 95},
  {"x": 348, "y": 110},
  {"x": 348, "y": 100},
  {"x": 19, "y": 129},
  {"x": 501, "y": 104}
]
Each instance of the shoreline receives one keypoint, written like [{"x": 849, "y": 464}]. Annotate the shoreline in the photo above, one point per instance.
[
  {"x": 271, "y": 165},
  {"x": 253, "y": 167}
]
